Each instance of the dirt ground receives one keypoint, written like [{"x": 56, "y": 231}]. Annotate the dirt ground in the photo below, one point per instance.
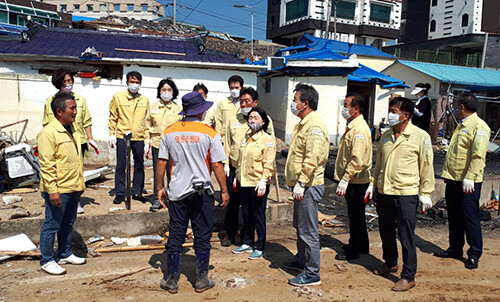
[{"x": 135, "y": 276}]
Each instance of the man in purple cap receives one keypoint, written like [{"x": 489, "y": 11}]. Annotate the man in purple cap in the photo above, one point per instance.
[{"x": 194, "y": 149}]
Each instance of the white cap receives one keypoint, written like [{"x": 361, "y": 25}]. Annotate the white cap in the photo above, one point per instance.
[{"x": 417, "y": 90}]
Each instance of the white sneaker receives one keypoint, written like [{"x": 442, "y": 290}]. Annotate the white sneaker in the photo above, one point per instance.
[
  {"x": 53, "y": 268},
  {"x": 72, "y": 260},
  {"x": 80, "y": 210}
]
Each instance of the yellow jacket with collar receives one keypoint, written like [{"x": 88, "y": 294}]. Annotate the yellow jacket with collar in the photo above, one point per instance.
[
  {"x": 225, "y": 111},
  {"x": 466, "y": 156},
  {"x": 162, "y": 115},
  {"x": 354, "y": 156},
  {"x": 308, "y": 152},
  {"x": 60, "y": 160},
  {"x": 256, "y": 158},
  {"x": 128, "y": 113},
  {"x": 404, "y": 166}
]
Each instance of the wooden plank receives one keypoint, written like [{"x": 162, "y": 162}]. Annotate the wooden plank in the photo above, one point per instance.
[{"x": 152, "y": 51}]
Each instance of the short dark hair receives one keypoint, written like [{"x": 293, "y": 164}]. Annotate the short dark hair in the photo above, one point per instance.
[
  {"x": 134, "y": 74},
  {"x": 234, "y": 79},
  {"x": 469, "y": 101},
  {"x": 59, "y": 101},
  {"x": 357, "y": 100},
  {"x": 309, "y": 94},
  {"x": 405, "y": 105},
  {"x": 200, "y": 86},
  {"x": 262, "y": 114},
  {"x": 58, "y": 77},
  {"x": 170, "y": 82},
  {"x": 252, "y": 92}
]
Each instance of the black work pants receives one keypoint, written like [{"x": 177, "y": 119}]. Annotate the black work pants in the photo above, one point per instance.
[
  {"x": 200, "y": 210},
  {"x": 253, "y": 209},
  {"x": 121, "y": 164},
  {"x": 398, "y": 212},
  {"x": 233, "y": 208},
  {"x": 463, "y": 218},
  {"x": 355, "y": 198}
]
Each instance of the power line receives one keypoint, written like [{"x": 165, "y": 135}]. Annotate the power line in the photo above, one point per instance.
[{"x": 199, "y": 2}]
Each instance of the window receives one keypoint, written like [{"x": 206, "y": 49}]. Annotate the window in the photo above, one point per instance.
[
  {"x": 21, "y": 20},
  {"x": 102, "y": 7},
  {"x": 130, "y": 7},
  {"x": 434, "y": 3},
  {"x": 117, "y": 7},
  {"x": 346, "y": 10},
  {"x": 433, "y": 26},
  {"x": 76, "y": 7},
  {"x": 296, "y": 9},
  {"x": 90, "y": 7},
  {"x": 465, "y": 20},
  {"x": 144, "y": 7},
  {"x": 380, "y": 13},
  {"x": 157, "y": 9},
  {"x": 3, "y": 17},
  {"x": 64, "y": 7}
]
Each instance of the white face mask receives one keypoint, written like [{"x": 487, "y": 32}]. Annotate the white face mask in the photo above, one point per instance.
[
  {"x": 255, "y": 126},
  {"x": 294, "y": 109},
  {"x": 345, "y": 113},
  {"x": 134, "y": 87},
  {"x": 167, "y": 97},
  {"x": 235, "y": 93},
  {"x": 245, "y": 111},
  {"x": 67, "y": 88},
  {"x": 393, "y": 119}
]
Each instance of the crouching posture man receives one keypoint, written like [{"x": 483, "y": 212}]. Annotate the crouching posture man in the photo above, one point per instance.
[
  {"x": 192, "y": 148},
  {"x": 62, "y": 184}
]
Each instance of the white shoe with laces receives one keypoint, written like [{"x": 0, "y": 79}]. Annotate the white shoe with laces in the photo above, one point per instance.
[
  {"x": 53, "y": 268},
  {"x": 72, "y": 260}
]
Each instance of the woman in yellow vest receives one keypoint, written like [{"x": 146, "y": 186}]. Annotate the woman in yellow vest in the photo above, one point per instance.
[
  {"x": 63, "y": 80},
  {"x": 164, "y": 113},
  {"x": 256, "y": 166}
]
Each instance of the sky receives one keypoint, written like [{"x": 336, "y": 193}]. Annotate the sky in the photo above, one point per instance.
[{"x": 220, "y": 15}]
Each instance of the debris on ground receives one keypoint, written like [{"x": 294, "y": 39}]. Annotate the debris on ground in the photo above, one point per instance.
[
  {"x": 19, "y": 213},
  {"x": 94, "y": 174},
  {"x": 306, "y": 291},
  {"x": 116, "y": 209},
  {"x": 95, "y": 239},
  {"x": 491, "y": 205},
  {"x": 236, "y": 282},
  {"x": 11, "y": 199},
  {"x": 342, "y": 268},
  {"x": 15, "y": 245}
]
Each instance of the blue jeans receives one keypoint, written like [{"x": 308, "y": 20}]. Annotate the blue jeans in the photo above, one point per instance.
[{"x": 58, "y": 220}]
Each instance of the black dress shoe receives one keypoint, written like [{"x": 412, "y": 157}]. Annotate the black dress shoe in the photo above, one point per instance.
[
  {"x": 140, "y": 198},
  {"x": 227, "y": 241},
  {"x": 118, "y": 199},
  {"x": 448, "y": 254},
  {"x": 471, "y": 263},
  {"x": 347, "y": 256}
]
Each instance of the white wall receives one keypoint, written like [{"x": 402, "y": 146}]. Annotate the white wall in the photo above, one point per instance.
[
  {"x": 448, "y": 17},
  {"x": 382, "y": 99}
]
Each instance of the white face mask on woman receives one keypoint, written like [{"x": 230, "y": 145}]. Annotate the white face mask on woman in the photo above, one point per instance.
[
  {"x": 167, "y": 97},
  {"x": 393, "y": 119},
  {"x": 67, "y": 88},
  {"x": 255, "y": 126}
]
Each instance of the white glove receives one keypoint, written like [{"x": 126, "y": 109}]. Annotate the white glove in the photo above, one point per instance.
[
  {"x": 147, "y": 147},
  {"x": 93, "y": 144},
  {"x": 235, "y": 184},
  {"x": 261, "y": 187},
  {"x": 341, "y": 187},
  {"x": 369, "y": 194},
  {"x": 468, "y": 186},
  {"x": 112, "y": 141},
  {"x": 226, "y": 170},
  {"x": 425, "y": 203},
  {"x": 298, "y": 190}
]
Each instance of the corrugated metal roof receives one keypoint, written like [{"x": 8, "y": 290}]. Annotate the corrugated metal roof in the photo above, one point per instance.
[
  {"x": 311, "y": 42},
  {"x": 70, "y": 43},
  {"x": 457, "y": 74}
]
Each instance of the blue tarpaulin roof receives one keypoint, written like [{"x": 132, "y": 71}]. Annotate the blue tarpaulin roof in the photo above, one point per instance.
[
  {"x": 308, "y": 42},
  {"x": 361, "y": 74},
  {"x": 81, "y": 18},
  {"x": 481, "y": 79},
  {"x": 70, "y": 43}
]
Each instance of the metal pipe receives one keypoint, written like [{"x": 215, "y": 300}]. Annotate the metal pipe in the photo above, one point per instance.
[{"x": 485, "y": 45}]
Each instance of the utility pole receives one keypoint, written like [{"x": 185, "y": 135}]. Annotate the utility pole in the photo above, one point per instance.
[
  {"x": 251, "y": 8},
  {"x": 175, "y": 12},
  {"x": 485, "y": 45},
  {"x": 335, "y": 19},
  {"x": 328, "y": 16}
]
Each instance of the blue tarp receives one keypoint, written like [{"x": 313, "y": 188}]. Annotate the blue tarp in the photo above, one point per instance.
[{"x": 81, "y": 18}]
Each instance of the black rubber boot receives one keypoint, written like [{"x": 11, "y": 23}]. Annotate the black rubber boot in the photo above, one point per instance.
[
  {"x": 202, "y": 281},
  {"x": 170, "y": 283}
]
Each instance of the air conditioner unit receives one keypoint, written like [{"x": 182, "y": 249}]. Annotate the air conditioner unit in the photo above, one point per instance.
[{"x": 275, "y": 62}]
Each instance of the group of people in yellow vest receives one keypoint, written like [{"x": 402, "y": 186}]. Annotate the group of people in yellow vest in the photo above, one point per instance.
[{"x": 235, "y": 140}]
